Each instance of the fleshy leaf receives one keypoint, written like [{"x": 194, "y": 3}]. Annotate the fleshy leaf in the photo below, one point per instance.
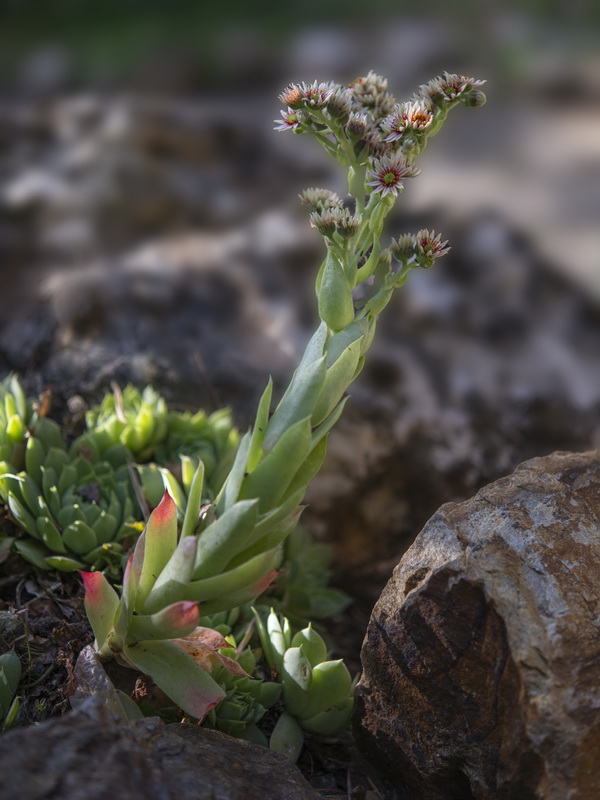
[
  {"x": 179, "y": 676},
  {"x": 178, "y": 619},
  {"x": 287, "y": 737},
  {"x": 159, "y": 545},
  {"x": 101, "y": 604}
]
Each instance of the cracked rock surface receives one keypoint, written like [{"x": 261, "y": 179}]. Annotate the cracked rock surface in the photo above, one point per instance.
[{"x": 482, "y": 657}]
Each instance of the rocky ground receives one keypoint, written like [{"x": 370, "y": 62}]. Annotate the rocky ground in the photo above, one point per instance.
[{"x": 157, "y": 240}]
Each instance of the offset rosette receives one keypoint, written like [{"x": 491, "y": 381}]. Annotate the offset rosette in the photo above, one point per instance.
[
  {"x": 247, "y": 699},
  {"x": 318, "y": 693},
  {"x": 194, "y": 437},
  {"x": 17, "y": 418},
  {"x": 77, "y": 512},
  {"x": 137, "y": 420}
]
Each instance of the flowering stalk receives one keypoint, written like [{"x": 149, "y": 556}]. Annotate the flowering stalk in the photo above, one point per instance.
[{"x": 229, "y": 551}]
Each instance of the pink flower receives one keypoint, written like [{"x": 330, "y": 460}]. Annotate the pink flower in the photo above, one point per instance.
[
  {"x": 416, "y": 116},
  {"x": 388, "y": 173},
  {"x": 289, "y": 121}
]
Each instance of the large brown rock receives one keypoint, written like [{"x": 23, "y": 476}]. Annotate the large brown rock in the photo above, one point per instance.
[
  {"x": 87, "y": 755},
  {"x": 482, "y": 657}
]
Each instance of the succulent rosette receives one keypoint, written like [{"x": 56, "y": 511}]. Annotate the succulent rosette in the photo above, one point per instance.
[
  {"x": 16, "y": 417},
  {"x": 171, "y": 579},
  {"x": 246, "y": 700},
  {"x": 77, "y": 512},
  {"x": 135, "y": 419},
  {"x": 210, "y": 438},
  {"x": 318, "y": 693}
]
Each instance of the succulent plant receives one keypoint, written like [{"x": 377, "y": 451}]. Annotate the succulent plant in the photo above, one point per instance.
[
  {"x": 10, "y": 676},
  {"x": 80, "y": 506},
  {"x": 247, "y": 699},
  {"x": 169, "y": 581},
  {"x": 76, "y": 511},
  {"x": 135, "y": 419},
  {"x": 228, "y": 551},
  {"x": 210, "y": 438},
  {"x": 16, "y": 415},
  {"x": 317, "y": 693}
]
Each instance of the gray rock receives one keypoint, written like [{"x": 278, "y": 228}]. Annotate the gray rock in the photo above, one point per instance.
[
  {"x": 482, "y": 657},
  {"x": 87, "y": 755}
]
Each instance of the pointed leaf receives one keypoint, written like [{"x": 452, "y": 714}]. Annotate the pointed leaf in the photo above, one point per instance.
[
  {"x": 297, "y": 403},
  {"x": 232, "y": 580},
  {"x": 194, "y": 501},
  {"x": 172, "y": 582},
  {"x": 231, "y": 488},
  {"x": 178, "y": 675},
  {"x": 227, "y": 535},
  {"x": 314, "y": 349},
  {"x": 239, "y": 597},
  {"x": 271, "y": 478},
  {"x": 313, "y": 646},
  {"x": 259, "y": 428},
  {"x": 63, "y": 563},
  {"x": 338, "y": 378},
  {"x": 340, "y": 341},
  {"x": 159, "y": 544},
  {"x": 101, "y": 604},
  {"x": 176, "y": 620}
]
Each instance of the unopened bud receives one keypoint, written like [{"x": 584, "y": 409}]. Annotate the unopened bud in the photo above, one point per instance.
[
  {"x": 403, "y": 249},
  {"x": 324, "y": 222},
  {"x": 319, "y": 199},
  {"x": 475, "y": 99},
  {"x": 339, "y": 104},
  {"x": 411, "y": 144},
  {"x": 292, "y": 96},
  {"x": 357, "y": 125}
]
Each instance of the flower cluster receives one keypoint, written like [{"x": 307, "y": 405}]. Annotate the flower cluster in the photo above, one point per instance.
[
  {"x": 449, "y": 88},
  {"x": 423, "y": 248}
]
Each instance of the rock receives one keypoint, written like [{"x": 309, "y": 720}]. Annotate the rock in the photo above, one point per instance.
[
  {"x": 87, "y": 754},
  {"x": 482, "y": 657}
]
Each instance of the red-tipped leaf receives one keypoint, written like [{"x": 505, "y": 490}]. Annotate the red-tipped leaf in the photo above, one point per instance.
[
  {"x": 179, "y": 619},
  {"x": 101, "y": 604},
  {"x": 159, "y": 543}
]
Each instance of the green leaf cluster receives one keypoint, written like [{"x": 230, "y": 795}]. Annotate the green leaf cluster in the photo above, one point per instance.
[{"x": 317, "y": 692}]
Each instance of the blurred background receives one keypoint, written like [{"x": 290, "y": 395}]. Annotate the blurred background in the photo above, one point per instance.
[{"x": 149, "y": 231}]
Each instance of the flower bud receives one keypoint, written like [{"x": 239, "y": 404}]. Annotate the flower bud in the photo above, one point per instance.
[
  {"x": 475, "y": 99},
  {"x": 339, "y": 104},
  {"x": 324, "y": 222},
  {"x": 403, "y": 248},
  {"x": 319, "y": 199},
  {"x": 357, "y": 125}
]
